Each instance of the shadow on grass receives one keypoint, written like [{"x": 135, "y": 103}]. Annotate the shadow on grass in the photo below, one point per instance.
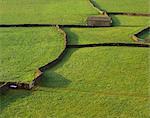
[
  {"x": 115, "y": 21},
  {"x": 50, "y": 79},
  {"x": 97, "y": 5},
  {"x": 72, "y": 37},
  {"x": 53, "y": 80},
  {"x": 11, "y": 96}
]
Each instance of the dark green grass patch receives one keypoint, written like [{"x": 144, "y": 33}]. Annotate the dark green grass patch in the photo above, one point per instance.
[
  {"x": 133, "y": 21},
  {"x": 24, "y": 50},
  {"x": 145, "y": 37},
  {"x": 89, "y": 82},
  {"x": 45, "y": 11},
  {"x": 100, "y": 35},
  {"x": 135, "y": 6}
]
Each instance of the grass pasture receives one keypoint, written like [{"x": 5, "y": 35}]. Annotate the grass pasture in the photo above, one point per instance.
[
  {"x": 24, "y": 50},
  {"x": 84, "y": 78},
  {"x": 130, "y": 21},
  {"x": 45, "y": 11},
  {"x": 89, "y": 82},
  {"x": 100, "y": 35},
  {"x": 133, "y": 6}
]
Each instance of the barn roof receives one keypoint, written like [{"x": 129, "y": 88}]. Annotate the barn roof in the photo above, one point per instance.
[{"x": 99, "y": 18}]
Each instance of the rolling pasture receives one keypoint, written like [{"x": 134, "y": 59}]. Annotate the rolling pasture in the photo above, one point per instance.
[
  {"x": 130, "y": 21},
  {"x": 131, "y": 6},
  {"x": 100, "y": 35},
  {"x": 91, "y": 82},
  {"x": 24, "y": 50},
  {"x": 108, "y": 81},
  {"x": 45, "y": 11}
]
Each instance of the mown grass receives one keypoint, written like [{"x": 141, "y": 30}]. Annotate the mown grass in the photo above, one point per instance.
[
  {"x": 130, "y": 21},
  {"x": 100, "y": 35},
  {"x": 72, "y": 104},
  {"x": 90, "y": 82},
  {"x": 24, "y": 50},
  {"x": 135, "y": 6},
  {"x": 45, "y": 11}
]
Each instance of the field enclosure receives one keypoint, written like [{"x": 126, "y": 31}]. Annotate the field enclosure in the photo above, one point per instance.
[
  {"x": 130, "y": 21},
  {"x": 132, "y": 6},
  {"x": 24, "y": 50},
  {"x": 85, "y": 78},
  {"x": 114, "y": 7},
  {"x": 45, "y": 11},
  {"x": 100, "y": 35},
  {"x": 87, "y": 71}
]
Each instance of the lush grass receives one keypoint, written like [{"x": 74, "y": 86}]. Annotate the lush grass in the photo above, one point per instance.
[
  {"x": 123, "y": 20},
  {"x": 100, "y": 35},
  {"x": 100, "y": 82},
  {"x": 90, "y": 82},
  {"x": 71, "y": 104},
  {"x": 136, "y": 6},
  {"x": 24, "y": 50},
  {"x": 106, "y": 68},
  {"x": 45, "y": 11}
]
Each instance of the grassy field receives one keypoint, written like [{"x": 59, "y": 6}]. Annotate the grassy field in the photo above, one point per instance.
[
  {"x": 130, "y": 21},
  {"x": 24, "y": 50},
  {"x": 90, "y": 82},
  {"x": 45, "y": 11},
  {"x": 100, "y": 35},
  {"x": 135, "y": 6},
  {"x": 94, "y": 82}
]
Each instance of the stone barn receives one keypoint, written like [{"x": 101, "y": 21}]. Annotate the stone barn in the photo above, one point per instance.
[{"x": 103, "y": 21}]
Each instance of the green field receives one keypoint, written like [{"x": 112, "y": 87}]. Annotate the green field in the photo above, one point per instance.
[
  {"x": 100, "y": 35},
  {"x": 133, "y": 6},
  {"x": 90, "y": 82},
  {"x": 130, "y": 21},
  {"x": 24, "y": 50},
  {"x": 45, "y": 11}
]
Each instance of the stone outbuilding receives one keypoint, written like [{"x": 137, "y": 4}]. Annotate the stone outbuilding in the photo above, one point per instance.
[{"x": 103, "y": 21}]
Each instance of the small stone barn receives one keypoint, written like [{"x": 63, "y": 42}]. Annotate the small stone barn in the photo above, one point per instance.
[{"x": 104, "y": 21}]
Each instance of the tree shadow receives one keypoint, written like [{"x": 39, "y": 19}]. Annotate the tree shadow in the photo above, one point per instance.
[{"x": 11, "y": 96}]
